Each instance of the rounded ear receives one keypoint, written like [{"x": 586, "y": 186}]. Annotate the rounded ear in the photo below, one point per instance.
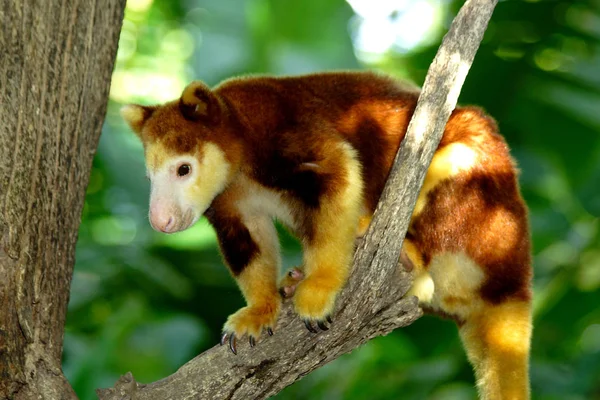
[
  {"x": 136, "y": 116},
  {"x": 199, "y": 103}
]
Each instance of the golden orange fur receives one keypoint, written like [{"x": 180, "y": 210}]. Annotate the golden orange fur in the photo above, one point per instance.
[{"x": 314, "y": 152}]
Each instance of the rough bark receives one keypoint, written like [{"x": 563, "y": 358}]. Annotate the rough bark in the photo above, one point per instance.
[
  {"x": 372, "y": 303},
  {"x": 55, "y": 66}
]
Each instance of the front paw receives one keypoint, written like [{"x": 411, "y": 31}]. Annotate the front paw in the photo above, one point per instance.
[
  {"x": 251, "y": 321},
  {"x": 314, "y": 301}
]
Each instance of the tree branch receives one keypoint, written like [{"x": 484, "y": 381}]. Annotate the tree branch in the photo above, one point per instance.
[{"x": 372, "y": 304}]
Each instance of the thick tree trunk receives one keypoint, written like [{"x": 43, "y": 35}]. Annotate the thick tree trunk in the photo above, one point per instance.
[
  {"x": 372, "y": 303},
  {"x": 55, "y": 65}
]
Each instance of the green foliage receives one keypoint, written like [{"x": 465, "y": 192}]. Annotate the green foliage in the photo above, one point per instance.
[{"x": 146, "y": 303}]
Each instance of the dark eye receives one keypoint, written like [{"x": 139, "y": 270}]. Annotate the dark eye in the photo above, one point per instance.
[{"x": 184, "y": 169}]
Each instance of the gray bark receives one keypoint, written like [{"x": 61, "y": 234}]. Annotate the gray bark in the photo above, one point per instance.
[
  {"x": 372, "y": 303},
  {"x": 55, "y": 66}
]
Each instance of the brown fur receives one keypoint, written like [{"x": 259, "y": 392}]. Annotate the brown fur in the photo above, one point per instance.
[{"x": 315, "y": 152}]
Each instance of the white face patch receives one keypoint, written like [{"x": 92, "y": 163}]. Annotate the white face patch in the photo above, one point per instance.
[{"x": 184, "y": 186}]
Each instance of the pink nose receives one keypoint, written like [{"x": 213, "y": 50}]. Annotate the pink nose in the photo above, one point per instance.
[{"x": 161, "y": 221}]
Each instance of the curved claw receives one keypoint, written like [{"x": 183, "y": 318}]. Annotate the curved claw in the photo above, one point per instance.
[
  {"x": 270, "y": 331},
  {"x": 223, "y": 338},
  {"x": 252, "y": 341},
  {"x": 309, "y": 326},
  {"x": 232, "y": 344},
  {"x": 320, "y": 324}
]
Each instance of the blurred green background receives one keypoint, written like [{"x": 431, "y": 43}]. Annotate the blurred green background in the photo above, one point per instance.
[{"x": 147, "y": 303}]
